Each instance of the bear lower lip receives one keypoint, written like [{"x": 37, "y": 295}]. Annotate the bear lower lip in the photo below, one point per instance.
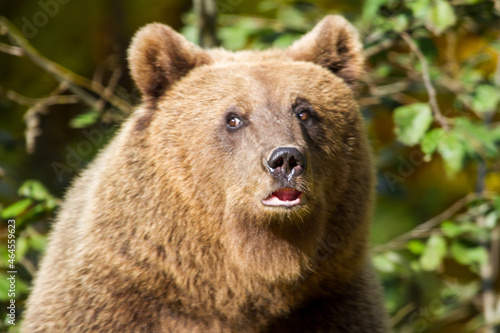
[{"x": 286, "y": 197}]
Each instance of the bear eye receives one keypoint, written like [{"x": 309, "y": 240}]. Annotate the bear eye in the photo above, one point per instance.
[
  {"x": 234, "y": 122},
  {"x": 304, "y": 115}
]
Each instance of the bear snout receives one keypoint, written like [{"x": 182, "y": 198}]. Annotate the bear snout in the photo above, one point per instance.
[{"x": 286, "y": 163}]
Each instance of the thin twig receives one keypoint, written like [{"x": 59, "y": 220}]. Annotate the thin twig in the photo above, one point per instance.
[
  {"x": 50, "y": 100},
  {"x": 427, "y": 81},
  {"x": 389, "y": 89},
  {"x": 403, "y": 312},
  {"x": 429, "y": 224},
  {"x": 112, "y": 83},
  {"x": 14, "y": 50},
  {"x": 371, "y": 51},
  {"x": 74, "y": 82},
  {"x": 206, "y": 11},
  {"x": 39, "y": 106}
]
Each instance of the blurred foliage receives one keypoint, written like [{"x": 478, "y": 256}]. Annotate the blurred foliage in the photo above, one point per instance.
[{"x": 430, "y": 98}]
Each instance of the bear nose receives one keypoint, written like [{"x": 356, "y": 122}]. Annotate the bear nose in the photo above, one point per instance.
[{"x": 286, "y": 162}]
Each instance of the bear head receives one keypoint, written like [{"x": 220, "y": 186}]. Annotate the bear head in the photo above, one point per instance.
[{"x": 264, "y": 150}]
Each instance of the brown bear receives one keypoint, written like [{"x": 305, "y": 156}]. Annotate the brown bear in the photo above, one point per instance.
[{"x": 236, "y": 198}]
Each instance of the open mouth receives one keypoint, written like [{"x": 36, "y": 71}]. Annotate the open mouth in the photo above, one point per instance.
[{"x": 286, "y": 197}]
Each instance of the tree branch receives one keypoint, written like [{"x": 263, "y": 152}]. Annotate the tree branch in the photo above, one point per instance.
[
  {"x": 74, "y": 82},
  {"x": 429, "y": 224},
  {"x": 207, "y": 20},
  {"x": 427, "y": 81},
  {"x": 13, "y": 50}
]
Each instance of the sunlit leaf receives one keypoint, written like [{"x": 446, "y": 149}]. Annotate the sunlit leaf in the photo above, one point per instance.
[
  {"x": 468, "y": 255},
  {"x": 491, "y": 220},
  {"x": 437, "y": 15},
  {"x": 486, "y": 98},
  {"x": 442, "y": 16},
  {"x": 419, "y": 8},
  {"x": 371, "y": 8},
  {"x": 34, "y": 189},
  {"x": 477, "y": 136},
  {"x": 292, "y": 17},
  {"x": 430, "y": 141},
  {"x": 37, "y": 241},
  {"x": 496, "y": 202},
  {"x": 383, "y": 264},
  {"x": 235, "y": 37},
  {"x": 452, "y": 151},
  {"x": 16, "y": 209},
  {"x": 84, "y": 119},
  {"x": 285, "y": 40},
  {"x": 451, "y": 229},
  {"x": 21, "y": 248},
  {"x": 412, "y": 121},
  {"x": 416, "y": 246},
  {"x": 434, "y": 253}
]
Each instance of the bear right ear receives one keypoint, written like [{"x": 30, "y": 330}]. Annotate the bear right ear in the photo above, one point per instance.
[
  {"x": 158, "y": 57},
  {"x": 333, "y": 44}
]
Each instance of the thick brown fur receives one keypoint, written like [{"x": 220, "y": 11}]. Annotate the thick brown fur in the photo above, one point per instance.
[{"x": 166, "y": 230}]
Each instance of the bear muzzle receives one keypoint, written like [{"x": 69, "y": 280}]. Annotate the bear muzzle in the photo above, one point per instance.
[{"x": 285, "y": 164}]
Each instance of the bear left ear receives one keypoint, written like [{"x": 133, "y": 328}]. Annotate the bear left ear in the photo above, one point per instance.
[
  {"x": 334, "y": 44},
  {"x": 158, "y": 57}
]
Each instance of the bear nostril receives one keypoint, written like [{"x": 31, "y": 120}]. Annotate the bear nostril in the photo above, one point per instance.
[
  {"x": 286, "y": 162},
  {"x": 278, "y": 163}
]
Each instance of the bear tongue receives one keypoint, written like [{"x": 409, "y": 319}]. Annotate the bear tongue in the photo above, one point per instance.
[
  {"x": 285, "y": 197},
  {"x": 287, "y": 194}
]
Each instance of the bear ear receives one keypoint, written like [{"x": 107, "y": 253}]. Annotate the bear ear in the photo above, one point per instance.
[
  {"x": 334, "y": 44},
  {"x": 158, "y": 57}
]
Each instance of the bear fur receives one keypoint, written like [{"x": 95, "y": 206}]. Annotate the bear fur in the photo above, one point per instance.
[{"x": 168, "y": 230}]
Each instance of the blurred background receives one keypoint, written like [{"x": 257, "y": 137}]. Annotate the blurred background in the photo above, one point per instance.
[{"x": 430, "y": 99}]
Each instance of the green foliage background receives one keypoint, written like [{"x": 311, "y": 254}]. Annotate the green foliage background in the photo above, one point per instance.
[{"x": 430, "y": 99}]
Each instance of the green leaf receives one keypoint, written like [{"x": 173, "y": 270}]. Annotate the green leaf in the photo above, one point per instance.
[
  {"x": 419, "y": 8},
  {"x": 285, "y": 40},
  {"x": 50, "y": 204},
  {"x": 416, "y": 246},
  {"x": 383, "y": 70},
  {"x": 491, "y": 220},
  {"x": 21, "y": 248},
  {"x": 430, "y": 141},
  {"x": 400, "y": 22},
  {"x": 412, "y": 121},
  {"x": 451, "y": 229},
  {"x": 34, "y": 189},
  {"x": 486, "y": 98},
  {"x": 383, "y": 264},
  {"x": 85, "y": 119},
  {"x": 371, "y": 8},
  {"x": 293, "y": 18},
  {"x": 415, "y": 266},
  {"x": 476, "y": 137},
  {"x": 468, "y": 255},
  {"x": 441, "y": 16},
  {"x": 16, "y": 209},
  {"x": 235, "y": 37},
  {"x": 454, "y": 230},
  {"x": 37, "y": 241},
  {"x": 496, "y": 202},
  {"x": 191, "y": 33},
  {"x": 453, "y": 152},
  {"x": 434, "y": 253}
]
